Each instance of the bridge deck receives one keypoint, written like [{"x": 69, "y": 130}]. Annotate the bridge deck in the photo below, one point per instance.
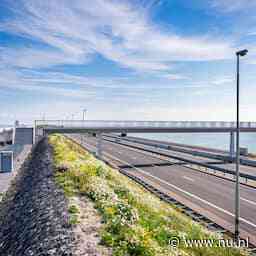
[
  {"x": 146, "y": 129},
  {"x": 78, "y": 126}
]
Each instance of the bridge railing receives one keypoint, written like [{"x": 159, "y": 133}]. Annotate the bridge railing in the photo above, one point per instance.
[{"x": 139, "y": 124}]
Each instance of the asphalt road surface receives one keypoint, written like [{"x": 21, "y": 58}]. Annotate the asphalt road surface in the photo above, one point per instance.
[
  {"x": 210, "y": 195},
  {"x": 190, "y": 157}
]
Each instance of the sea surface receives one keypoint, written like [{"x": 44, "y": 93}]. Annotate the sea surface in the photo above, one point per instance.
[
  {"x": 5, "y": 125},
  {"x": 211, "y": 140}
]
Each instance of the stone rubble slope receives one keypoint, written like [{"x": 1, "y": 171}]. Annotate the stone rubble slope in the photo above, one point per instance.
[{"x": 34, "y": 213}]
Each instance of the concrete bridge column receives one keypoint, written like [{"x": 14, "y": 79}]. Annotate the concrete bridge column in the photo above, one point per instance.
[
  {"x": 232, "y": 145},
  {"x": 99, "y": 146}
]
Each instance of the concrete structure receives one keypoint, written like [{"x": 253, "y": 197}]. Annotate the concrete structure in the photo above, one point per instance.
[
  {"x": 232, "y": 145},
  {"x": 75, "y": 126},
  {"x": 22, "y": 141},
  {"x": 6, "y": 161},
  {"x": 102, "y": 126},
  {"x": 23, "y": 136},
  {"x": 6, "y": 136},
  {"x": 20, "y": 137}
]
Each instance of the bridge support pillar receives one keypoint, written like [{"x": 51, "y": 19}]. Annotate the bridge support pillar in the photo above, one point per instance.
[
  {"x": 232, "y": 145},
  {"x": 99, "y": 146}
]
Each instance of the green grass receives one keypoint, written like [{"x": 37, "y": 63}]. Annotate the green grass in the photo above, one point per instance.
[
  {"x": 73, "y": 214},
  {"x": 73, "y": 209},
  {"x": 73, "y": 219},
  {"x": 135, "y": 221}
]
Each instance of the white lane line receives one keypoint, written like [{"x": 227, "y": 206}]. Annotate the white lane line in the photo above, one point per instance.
[
  {"x": 188, "y": 178},
  {"x": 140, "y": 151},
  {"x": 248, "y": 201},
  {"x": 184, "y": 191}
]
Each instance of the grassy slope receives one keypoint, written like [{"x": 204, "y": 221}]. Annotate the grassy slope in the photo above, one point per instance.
[{"x": 136, "y": 222}]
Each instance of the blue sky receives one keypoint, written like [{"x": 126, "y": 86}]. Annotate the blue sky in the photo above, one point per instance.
[{"x": 126, "y": 59}]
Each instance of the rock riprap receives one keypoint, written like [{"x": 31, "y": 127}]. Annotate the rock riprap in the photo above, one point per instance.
[{"x": 34, "y": 213}]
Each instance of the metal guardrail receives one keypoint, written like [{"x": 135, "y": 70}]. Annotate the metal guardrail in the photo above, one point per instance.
[
  {"x": 139, "y": 124},
  {"x": 225, "y": 157},
  {"x": 192, "y": 163}
]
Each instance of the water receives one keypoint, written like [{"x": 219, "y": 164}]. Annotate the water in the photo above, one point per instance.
[
  {"x": 5, "y": 125},
  {"x": 211, "y": 140}
]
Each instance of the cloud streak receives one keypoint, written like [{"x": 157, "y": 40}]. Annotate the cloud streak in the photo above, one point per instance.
[
  {"x": 233, "y": 5},
  {"x": 74, "y": 31},
  {"x": 78, "y": 53}
]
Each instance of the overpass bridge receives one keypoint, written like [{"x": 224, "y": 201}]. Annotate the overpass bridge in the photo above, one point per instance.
[
  {"x": 74, "y": 126},
  {"x": 98, "y": 127}
]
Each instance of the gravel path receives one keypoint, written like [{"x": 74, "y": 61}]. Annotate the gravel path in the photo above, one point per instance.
[{"x": 33, "y": 214}]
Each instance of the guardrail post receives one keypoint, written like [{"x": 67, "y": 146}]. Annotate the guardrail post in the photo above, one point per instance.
[
  {"x": 99, "y": 146},
  {"x": 232, "y": 145}
]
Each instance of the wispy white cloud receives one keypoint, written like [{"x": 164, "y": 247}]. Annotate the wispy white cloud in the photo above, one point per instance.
[
  {"x": 37, "y": 58},
  {"x": 67, "y": 85},
  {"x": 233, "y": 5},
  {"x": 223, "y": 80},
  {"x": 115, "y": 29},
  {"x": 12, "y": 79},
  {"x": 176, "y": 77},
  {"x": 252, "y": 33}
]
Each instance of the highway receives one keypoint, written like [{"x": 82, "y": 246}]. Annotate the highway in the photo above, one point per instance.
[
  {"x": 190, "y": 149},
  {"x": 244, "y": 169},
  {"x": 208, "y": 194}
]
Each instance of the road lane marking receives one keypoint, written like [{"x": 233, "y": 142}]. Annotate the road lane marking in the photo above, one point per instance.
[
  {"x": 248, "y": 201},
  {"x": 188, "y": 178},
  {"x": 176, "y": 153},
  {"x": 183, "y": 191},
  {"x": 140, "y": 151}
]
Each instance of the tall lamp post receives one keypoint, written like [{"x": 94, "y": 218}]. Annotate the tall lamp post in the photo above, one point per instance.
[
  {"x": 84, "y": 113},
  {"x": 237, "y": 202}
]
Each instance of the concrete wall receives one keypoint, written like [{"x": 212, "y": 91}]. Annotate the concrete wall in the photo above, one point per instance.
[{"x": 23, "y": 136}]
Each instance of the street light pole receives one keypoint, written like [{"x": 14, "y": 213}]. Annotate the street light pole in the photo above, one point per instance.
[
  {"x": 237, "y": 191},
  {"x": 84, "y": 113}
]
